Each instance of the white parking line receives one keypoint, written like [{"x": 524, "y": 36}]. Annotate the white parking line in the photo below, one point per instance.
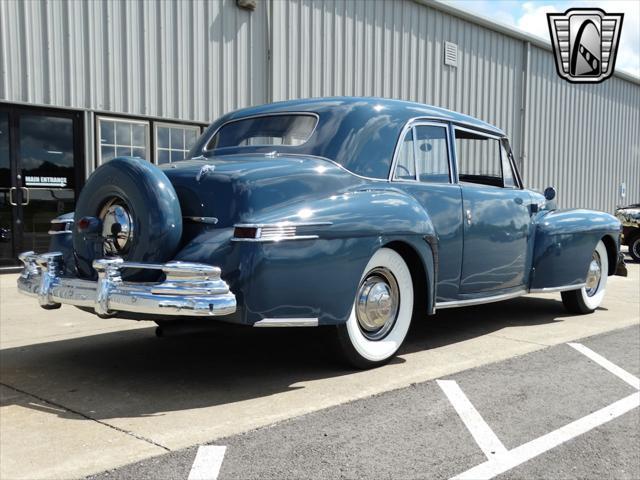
[
  {"x": 503, "y": 459},
  {"x": 621, "y": 373},
  {"x": 542, "y": 444},
  {"x": 488, "y": 442},
  {"x": 207, "y": 463}
]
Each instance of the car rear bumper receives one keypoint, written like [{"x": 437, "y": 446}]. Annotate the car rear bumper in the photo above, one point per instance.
[{"x": 189, "y": 289}]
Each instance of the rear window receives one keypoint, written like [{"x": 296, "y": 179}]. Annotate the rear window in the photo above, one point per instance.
[{"x": 289, "y": 130}]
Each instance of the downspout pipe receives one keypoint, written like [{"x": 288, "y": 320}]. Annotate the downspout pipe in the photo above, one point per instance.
[
  {"x": 524, "y": 111},
  {"x": 270, "y": 79}
]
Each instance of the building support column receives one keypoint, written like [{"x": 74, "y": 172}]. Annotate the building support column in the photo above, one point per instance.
[{"x": 524, "y": 110}]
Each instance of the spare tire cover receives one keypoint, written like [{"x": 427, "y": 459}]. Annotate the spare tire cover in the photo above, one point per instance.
[{"x": 152, "y": 208}]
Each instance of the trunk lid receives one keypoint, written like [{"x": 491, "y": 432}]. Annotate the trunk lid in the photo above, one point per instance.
[{"x": 233, "y": 188}]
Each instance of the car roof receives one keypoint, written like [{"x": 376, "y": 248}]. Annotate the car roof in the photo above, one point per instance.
[{"x": 399, "y": 109}]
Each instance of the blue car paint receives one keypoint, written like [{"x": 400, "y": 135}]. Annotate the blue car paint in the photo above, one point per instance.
[
  {"x": 564, "y": 242},
  {"x": 339, "y": 175},
  {"x": 444, "y": 204},
  {"x": 495, "y": 241},
  {"x": 315, "y": 278}
]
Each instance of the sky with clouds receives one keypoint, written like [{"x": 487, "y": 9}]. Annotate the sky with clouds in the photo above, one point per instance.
[{"x": 531, "y": 17}]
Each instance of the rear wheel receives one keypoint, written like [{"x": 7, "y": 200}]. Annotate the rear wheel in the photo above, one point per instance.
[
  {"x": 381, "y": 312},
  {"x": 634, "y": 247},
  {"x": 589, "y": 297}
]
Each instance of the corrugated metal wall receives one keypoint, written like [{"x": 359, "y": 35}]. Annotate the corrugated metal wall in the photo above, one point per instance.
[
  {"x": 583, "y": 139},
  {"x": 194, "y": 60},
  {"x": 395, "y": 49},
  {"x": 188, "y": 60}
]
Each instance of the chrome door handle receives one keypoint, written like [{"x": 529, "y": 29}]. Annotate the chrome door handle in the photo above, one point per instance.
[
  {"x": 27, "y": 194},
  {"x": 468, "y": 217},
  {"x": 11, "y": 202}
]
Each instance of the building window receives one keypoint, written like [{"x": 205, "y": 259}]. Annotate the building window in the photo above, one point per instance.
[
  {"x": 119, "y": 137},
  {"x": 173, "y": 142}
]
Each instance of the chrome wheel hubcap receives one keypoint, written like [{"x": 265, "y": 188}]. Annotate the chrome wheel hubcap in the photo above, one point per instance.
[
  {"x": 594, "y": 275},
  {"x": 117, "y": 228},
  {"x": 377, "y": 303}
]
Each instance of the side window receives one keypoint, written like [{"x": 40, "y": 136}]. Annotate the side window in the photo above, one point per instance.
[
  {"x": 508, "y": 177},
  {"x": 405, "y": 166},
  {"x": 479, "y": 158},
  {"x": 432, "y": 154}
]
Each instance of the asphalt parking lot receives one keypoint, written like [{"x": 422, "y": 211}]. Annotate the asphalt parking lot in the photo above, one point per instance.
[
  {"x": 414, "y": 432},
  {"x": 84, "y": 396}
]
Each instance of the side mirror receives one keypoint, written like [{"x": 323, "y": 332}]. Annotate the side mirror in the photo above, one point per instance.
[{"x": 550, "y": 193}]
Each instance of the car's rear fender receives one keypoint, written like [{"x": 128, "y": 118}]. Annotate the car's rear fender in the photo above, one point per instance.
[
  {"x": 564, "y": 243},
  {"x": 318, "y": 278}
]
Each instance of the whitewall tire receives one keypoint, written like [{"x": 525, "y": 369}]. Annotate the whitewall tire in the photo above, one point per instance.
[
  {"x": 381, "y": 313},
  {"x": 589, "y": 297}
]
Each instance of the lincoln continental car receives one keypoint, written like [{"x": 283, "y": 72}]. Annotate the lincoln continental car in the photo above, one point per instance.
[{"x": 358, "y": 214}]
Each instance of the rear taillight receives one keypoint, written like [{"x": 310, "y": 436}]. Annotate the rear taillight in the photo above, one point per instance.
[{"x": 246, "y": 233}]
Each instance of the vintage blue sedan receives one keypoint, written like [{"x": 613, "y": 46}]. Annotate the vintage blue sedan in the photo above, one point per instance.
[{"x": 356, "y": 213}]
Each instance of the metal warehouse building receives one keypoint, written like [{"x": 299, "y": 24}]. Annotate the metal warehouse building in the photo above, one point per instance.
[{"x": 84, "y": 81}]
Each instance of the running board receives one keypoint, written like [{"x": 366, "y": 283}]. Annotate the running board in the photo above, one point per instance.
[
  {"x": 563, "y": 288},
  {"x": 505, "y": 296},
  {"x": 480, "y": 301}
]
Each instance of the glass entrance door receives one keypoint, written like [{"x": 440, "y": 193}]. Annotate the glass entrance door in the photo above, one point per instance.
[
  {"x": 40, "y": 170},
  {"x": 7, "y": 190}
]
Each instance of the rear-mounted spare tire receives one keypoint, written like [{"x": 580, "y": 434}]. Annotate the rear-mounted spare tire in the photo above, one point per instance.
[{"x": 138, "y": 207}]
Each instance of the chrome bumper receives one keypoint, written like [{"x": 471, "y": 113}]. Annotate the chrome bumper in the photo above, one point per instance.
[{"x": 190, "y": 289}]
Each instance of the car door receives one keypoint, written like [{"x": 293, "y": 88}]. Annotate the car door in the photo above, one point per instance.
[
  {"x": 497, "y": 215},
  {"x": 423, "y": 169}
]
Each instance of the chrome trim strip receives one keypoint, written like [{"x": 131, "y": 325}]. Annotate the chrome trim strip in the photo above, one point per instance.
[
  {"x": 476, "y": 131},
  {"x": 342, "y": 167},
  {"x": 190, "y": 289},
  {"x": 282, "y": 224},
  {"x": 62, "y": 220},
  {"x": 396, "y": 150},
  {"x": 206, "y": 148},
  {"x": 207, "y": 220},
  {"x": 275, "y": 239},
  {"x": 563, "y": 288},
  {"x": 278, "y": 232},
  {"x": 287, "y": 322},
  {"x": 59, "y": 220},
  {"x": 480, "y": 301}
]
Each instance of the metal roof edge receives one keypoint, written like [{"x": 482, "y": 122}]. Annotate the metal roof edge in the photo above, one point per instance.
[{"x": 505, "y": 29}]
